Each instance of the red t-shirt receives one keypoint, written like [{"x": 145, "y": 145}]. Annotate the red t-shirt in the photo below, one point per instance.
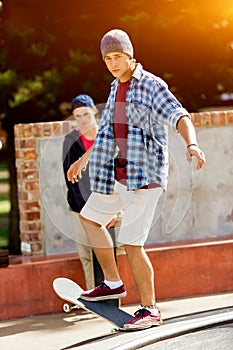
[
  {"x": 121, "y": 131},
  {"x": 86, "y": 142},
  {"x": 120, "y": 128}
]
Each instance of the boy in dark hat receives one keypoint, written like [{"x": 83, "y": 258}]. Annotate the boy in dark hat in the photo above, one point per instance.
[{"x": 75, "y": 144}]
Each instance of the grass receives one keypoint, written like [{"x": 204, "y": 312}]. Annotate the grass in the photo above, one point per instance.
[
  {"x": 3, "y": 176},
  {"x": 4, "y": 238},
  {"x": 4, "y": 205}
]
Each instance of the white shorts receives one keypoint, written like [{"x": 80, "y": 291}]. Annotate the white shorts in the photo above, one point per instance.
[{"x": 138, "y": 209}]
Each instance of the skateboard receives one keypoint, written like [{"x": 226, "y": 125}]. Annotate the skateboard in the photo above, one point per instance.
[{"x": 70, "y": 291}]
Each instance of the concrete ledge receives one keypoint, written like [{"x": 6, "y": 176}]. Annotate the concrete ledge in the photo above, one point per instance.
[
  {"x": 180, "y": 271},
  {"x": 26, "y": 284},
  {"x": 172, "y": 330}
]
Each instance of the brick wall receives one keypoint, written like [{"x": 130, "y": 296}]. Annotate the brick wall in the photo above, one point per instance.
[
  {"x": 27, "y": 164},
  {"x": 214, "y": 118},
  {"x": 27, "y": 137}
]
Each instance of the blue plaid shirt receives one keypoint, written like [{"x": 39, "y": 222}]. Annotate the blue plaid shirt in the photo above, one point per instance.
[{"x": 150, "y": 109}]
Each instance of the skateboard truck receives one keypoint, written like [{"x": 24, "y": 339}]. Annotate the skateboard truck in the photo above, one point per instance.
[{"x": 68, "y": 307}]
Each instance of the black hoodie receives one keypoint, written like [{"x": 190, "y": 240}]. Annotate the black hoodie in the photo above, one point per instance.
[{"x": 78, "y": 192}]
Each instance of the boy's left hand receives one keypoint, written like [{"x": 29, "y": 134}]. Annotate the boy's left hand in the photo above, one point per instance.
[{"x": 195, "y": 151}]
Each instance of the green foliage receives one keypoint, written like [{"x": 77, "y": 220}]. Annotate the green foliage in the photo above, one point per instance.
[
  {"x": 26, "y": 91},
  {"x": 7, "y": 78},
  {"x": 56, "y": 54}
]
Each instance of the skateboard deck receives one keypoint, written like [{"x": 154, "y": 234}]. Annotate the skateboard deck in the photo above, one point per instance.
[{"x": 70, "y": 291}]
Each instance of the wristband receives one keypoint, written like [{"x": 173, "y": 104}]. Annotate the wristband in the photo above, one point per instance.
[{"x": 192, "y": 144}]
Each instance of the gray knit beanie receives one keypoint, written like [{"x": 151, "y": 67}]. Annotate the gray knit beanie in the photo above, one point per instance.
[{"x": 116, "y": 40}]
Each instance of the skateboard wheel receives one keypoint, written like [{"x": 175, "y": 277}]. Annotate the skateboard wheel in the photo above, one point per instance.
[{"x": 67, "y": 307}]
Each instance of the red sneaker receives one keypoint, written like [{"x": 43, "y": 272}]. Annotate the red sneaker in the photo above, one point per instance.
[
  {"x": 143, "y": 319},
  {"x": 103, "y": 292}
]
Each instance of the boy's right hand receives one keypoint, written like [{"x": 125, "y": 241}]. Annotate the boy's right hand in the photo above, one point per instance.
[{"x": 74, "y": 172}]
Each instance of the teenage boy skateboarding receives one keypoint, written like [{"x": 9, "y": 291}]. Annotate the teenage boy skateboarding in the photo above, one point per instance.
[{"x": 129, "y": 171}]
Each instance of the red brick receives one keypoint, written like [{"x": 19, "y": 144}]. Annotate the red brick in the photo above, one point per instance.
[
  {"x": 206, "y": 121},
  {"x": 17, "y": 144},
  {"x": 38, "y": 130},
  {"x": 218, "y": 118},
  {"x": 31, "y": 216},
  {"x": 32, "y": 185},
  {"x": 196, "y": 119},
  {"x": 32, "y": 206},
  {"x": 222, "y": 118},
  {"x": 22, "y": 195},
  {"x": 31, "y": 236},
  {"x": 30, "y": 154},
  {"x": 29, "y": 143},
  {"x": 19, "y": 175},
  {"x": 57, "y": 128},
  {"x": 230, "y": 117},
  {"x": 26, "y": 226},
  {"x": 30, "y": 175},
  {"x": 21, "y": 205},
  {"x": 214, "y": 116},
  {"x": 47, "y": 129},
  {"x": 23, "y": 225},
  {"x": 18, "y": 164},
  {"x": 28, "y": 164},
  {"x": 25, "y": 250},
  {"x": 27, "y": 130},
  {"x": 37, "y": 248},
  {"x": 19, "y": 154},
  {"x": 18, "y": 130},
  {"x": 33, "y": 196},
  {"x": 35, "y": 226},
  {"x": 20, "y": 186}
]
